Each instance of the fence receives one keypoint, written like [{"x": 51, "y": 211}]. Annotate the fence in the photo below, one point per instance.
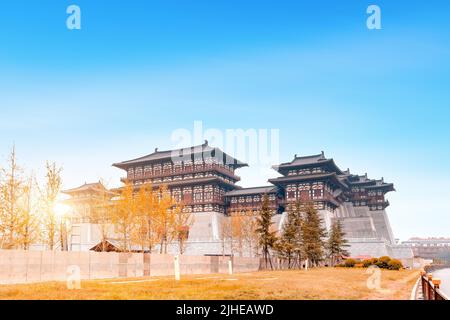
[
  {"x": 17, "y": 266},
  {"x": 430, "y": 287}
]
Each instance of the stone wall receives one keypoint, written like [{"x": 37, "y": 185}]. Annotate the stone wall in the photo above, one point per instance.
[{"x": 17, "y": 266}]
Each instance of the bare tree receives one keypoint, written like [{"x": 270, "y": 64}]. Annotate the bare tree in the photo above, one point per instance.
[
  {"x": 249, "y": 232},
  {"x": 49, "y": 195},
  {"x": 227, "y": 236}
]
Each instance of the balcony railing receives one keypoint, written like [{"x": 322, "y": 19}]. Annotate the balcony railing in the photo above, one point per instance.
[{"x": 191, "y": 170}]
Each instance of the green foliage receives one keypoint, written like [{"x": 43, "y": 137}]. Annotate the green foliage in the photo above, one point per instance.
[
  {"x": 337, "y": 244},
  {"x": 290, "y": 245},
  {"x": 267, "y": 237},
  {"x": 313, "y": 235}
]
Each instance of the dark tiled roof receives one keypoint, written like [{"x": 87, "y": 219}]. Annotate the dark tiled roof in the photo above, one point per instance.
[
  {"x": 298, "y": 161},
  {"x": 248, "y": 191},
  {"x": 307, "y": 161},
  {"x": 195, "y": 152},
  {"x": 363, "y": 180}
]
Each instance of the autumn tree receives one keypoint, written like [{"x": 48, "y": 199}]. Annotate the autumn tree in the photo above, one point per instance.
[
  {"x": 239, "y": 232},
  {"x": 250, "y": 237},
  {"x": 237, "y": 228},
  {"x": 49, "y": 195},
  {"x": 182, "y": 223},
  {"x": 102, "y": 212},
  {"x": 337, "y": 243},
  {"x": 165, "y": 218},
  {"x": 29, "y": 226},
  {"x": 140, "y": 232},
  {"x": 267, "y": 236},
  {"x": 12, "y": 185},
  {"x": 123, "y": 215},
  {"x": 227, "y": 236}
]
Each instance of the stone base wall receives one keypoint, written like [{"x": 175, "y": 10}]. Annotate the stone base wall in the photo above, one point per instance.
[
  {"x": 18, "y": 266},
  {"x": 378, "y": 248}
]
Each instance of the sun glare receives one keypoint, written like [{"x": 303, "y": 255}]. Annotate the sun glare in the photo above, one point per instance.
[{"x": 60, "y": 209}]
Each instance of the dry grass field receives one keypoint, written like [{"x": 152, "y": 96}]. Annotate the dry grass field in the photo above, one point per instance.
[{"x": 322, "y": 283}]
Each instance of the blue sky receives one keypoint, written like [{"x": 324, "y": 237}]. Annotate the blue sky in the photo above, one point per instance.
[{"x": 377, "y": 101}]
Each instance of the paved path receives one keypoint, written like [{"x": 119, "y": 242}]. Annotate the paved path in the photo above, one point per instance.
[{"x": 419, "y": 292}]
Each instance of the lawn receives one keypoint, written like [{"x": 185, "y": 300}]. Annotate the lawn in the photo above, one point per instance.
[{"x": 321, "y": 283}]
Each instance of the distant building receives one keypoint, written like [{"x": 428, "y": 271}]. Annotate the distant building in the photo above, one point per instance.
[
  {"x": 204, "y": 178},
  {"x": 85, "y": 228},
  {"x": 430, "y": 248}
]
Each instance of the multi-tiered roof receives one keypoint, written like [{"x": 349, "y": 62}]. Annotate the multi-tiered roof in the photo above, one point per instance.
[{"x": 198, "y": 175}]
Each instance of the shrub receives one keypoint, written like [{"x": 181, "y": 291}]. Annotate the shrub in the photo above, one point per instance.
[
  {"x": 395, "y": 264},
  {"x": 383, "y": 262},
  {"x": 359, "y": 265},
  {"x": 369, "y": 262},
  {"x": 350, "y": 263}
]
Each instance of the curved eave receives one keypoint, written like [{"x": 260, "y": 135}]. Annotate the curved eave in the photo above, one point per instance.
[
  {"x": 287, "y": 166},
  {"x": 72, "y": 192},
  {"x": 143, "y": 160},
  {"x": 388, "y": 187},
  {"x": 312, "y": 177},
  {"x": 121, "y": 165}
]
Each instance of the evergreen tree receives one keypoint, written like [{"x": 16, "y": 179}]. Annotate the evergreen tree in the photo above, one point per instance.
[
  {"x": 313, "y": 235},
  {"x": 266, "y": 235},
  {"x": 336, "y": 243},
  {"x": 299, "y": 248},
  {"x": 290, "y": 244}
]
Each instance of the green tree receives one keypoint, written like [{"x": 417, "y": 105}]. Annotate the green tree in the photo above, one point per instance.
[
  {"x": 313, "y": 235},
  {"x": 288, "y": 244},
  {"x": 337, "y": 243},
  {"x": 267, "y": 237}
]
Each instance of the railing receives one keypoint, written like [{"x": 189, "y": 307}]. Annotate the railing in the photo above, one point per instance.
[
  {"x": 430, "y": 287},
  {"x": 189, "y": 170}
]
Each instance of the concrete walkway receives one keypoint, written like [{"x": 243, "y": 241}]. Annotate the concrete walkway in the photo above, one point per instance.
[{"x": 419, "y": 292}]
